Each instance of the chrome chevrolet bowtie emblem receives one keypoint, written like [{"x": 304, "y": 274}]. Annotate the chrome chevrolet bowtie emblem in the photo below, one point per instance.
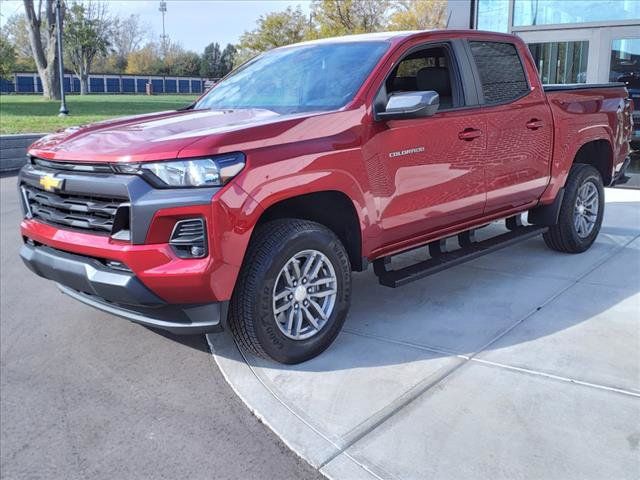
[{"x": 51, "y": 183}]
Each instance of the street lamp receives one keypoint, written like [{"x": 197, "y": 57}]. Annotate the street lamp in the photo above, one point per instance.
[{"x": 63, "y": 106}]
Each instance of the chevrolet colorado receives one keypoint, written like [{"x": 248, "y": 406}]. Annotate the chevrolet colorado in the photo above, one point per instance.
[{"x": 250, "y": 208}]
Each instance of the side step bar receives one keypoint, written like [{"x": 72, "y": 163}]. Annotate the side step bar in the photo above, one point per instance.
[{"x": 441, "y": 260}]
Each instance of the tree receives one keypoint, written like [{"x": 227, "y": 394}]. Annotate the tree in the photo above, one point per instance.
[
  {"x": 211, "y": 62},
  {"x": 188, "y": 64},
  {"x": 128, "y": 35},
  {"x": 274, "y": 30},
  {"x": 227, "y": 59},
  {"x": 418, "y": 15},
  {"x": 86, "y": 36},
  {"x": 7, "y": 56},
  {"x": 145, "y": 61},
  {"x": 177, "y": 60},
  {"x": 344, "y": 17},
  {"x": 41, "y": 25},
  {"x": 17, "y": 34}
]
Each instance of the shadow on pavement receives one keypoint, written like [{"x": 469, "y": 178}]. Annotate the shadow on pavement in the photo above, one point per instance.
[{"x": 197, "y": 342}]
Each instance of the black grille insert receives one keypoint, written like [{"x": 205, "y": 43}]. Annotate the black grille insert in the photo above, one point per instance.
[
  {"x": 95, "y": 214},
  {"x": 188, "y": 238}
]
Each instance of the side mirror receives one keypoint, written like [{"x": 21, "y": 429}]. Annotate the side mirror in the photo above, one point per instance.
[{"x": 410, "y": 105}]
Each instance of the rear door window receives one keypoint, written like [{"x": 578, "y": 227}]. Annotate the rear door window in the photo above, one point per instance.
[{"x": 501, "y": 73}]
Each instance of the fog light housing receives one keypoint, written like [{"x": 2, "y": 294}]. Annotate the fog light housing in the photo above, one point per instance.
[{"x": 189, "y": 239}]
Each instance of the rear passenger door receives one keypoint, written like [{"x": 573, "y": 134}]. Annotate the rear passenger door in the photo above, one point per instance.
[{"x": 518, "y": 123}]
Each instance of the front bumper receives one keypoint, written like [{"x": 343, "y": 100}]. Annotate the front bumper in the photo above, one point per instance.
[
  {"x": 120, "y": 293},
  {"x": 153, "y": 214}
]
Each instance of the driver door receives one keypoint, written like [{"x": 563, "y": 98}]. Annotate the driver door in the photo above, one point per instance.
[{"x": 427, "y": 173}]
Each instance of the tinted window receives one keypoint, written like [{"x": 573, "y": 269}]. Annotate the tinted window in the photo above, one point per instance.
[
  {"x": 301, "y": 78},
  {"x": 501, "y": 72}
]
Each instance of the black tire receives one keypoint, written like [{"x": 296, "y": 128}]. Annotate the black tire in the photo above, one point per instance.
[
  {"x": 564, "y": 236},
  {"x": 251, "y": 312}
]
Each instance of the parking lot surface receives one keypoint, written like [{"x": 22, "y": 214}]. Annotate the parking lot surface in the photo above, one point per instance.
[
  {"x": 521, "y": 364},
  {"x": 87, "y": 395}
]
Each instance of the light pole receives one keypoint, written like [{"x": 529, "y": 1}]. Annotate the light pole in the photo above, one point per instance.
[
  {"x": 163, "y": 10},
  {"x": 63, "y": 105}
]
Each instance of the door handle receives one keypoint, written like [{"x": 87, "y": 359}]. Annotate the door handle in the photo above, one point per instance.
[
  {"x": 535, "y": 124},
  {"x": 469, "y": 134}
]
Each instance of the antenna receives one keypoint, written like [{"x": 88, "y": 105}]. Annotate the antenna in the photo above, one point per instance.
[{"x": 164, "y": 38}]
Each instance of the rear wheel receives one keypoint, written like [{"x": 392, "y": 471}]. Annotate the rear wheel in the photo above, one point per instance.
[
  {"x": 581, "y": 212},
  {"x": 293, "y": 292}
]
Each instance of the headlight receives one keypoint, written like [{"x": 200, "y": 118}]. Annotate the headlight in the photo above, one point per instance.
[{"x": 195, "y": 172}]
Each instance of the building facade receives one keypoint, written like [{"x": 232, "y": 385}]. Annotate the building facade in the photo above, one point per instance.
[{"x": 572, "y": 41}]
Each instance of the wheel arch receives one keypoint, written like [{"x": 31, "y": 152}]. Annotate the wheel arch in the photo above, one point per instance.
[
  {"x": 332, "y": 208},
  {"x": 599, "y": 154}
]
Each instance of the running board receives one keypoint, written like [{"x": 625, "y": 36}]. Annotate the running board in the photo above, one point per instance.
[{"x": 441, "y": 260}]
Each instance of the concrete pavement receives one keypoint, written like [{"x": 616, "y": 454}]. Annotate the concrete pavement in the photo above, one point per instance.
[
  {"x": 87, "y": 395},
  {"x": 522, "y": 364}
]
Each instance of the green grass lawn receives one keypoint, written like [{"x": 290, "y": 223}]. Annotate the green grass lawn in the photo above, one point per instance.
[{"x": 32, "y": 114}]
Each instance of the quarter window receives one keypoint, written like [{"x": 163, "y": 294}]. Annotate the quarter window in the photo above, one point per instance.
[{"x": 501, "y": 73}]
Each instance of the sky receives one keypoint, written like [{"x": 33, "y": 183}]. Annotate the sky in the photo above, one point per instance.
[{"x": 192, "y": 23}]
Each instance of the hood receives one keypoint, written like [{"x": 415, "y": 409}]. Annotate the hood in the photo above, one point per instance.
[{"x": 149, "y": 137}]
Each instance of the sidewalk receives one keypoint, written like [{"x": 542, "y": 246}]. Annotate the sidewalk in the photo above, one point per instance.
[{"x": 521, "y": 364}]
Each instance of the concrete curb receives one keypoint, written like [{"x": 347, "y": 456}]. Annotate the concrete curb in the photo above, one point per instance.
[
  {"x": 302, "y": 438},
  {"x": 13, "y": 150}
]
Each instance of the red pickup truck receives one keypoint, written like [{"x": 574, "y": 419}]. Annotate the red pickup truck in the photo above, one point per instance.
[{"x": 250, "y": 208}]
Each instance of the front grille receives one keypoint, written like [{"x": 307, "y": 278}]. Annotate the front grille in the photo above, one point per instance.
[{"x": 83, "y": 212}]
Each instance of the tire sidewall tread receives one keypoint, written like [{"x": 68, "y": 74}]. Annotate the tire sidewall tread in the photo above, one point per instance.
[
  {"x": 563, "y": 236},
  {"x": 251, "y": 312}
]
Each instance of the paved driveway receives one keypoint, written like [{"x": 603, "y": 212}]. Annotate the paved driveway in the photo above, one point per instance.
[
  {"x": 87, "y": 395},
  {"x": 522, "y": 364}
]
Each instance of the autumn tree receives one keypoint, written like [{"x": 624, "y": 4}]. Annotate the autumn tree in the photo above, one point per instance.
[
  {"x": 144, "y": 61},
  {"x": 273, "y": 30},
  {"x": 344, "y": 17},
  {"x": 86, "y": 36},
  {"x": 418, "y": 15},
  {"x": 41, "y": 26}
]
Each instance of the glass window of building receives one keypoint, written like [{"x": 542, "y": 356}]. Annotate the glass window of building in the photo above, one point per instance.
[
  {"x": 501, "y": 72},
  {"x": 625, "y": 67},
  {"x": 493, "y": 15},
  {"x": 561, "y": 62},
  {"x": 625, "y": 62},
  {"x": 554, "y": 12}
]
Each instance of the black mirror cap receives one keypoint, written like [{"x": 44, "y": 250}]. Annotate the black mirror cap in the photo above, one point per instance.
[{"x": 405, "y": 105}]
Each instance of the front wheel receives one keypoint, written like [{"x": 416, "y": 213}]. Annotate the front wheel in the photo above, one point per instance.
[
  {"x": 581, "y": 211},
  {"x": 293, "y": 292}
]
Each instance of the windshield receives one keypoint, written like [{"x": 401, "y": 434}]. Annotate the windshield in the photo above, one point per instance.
[{"x": 298, "y": 79}]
